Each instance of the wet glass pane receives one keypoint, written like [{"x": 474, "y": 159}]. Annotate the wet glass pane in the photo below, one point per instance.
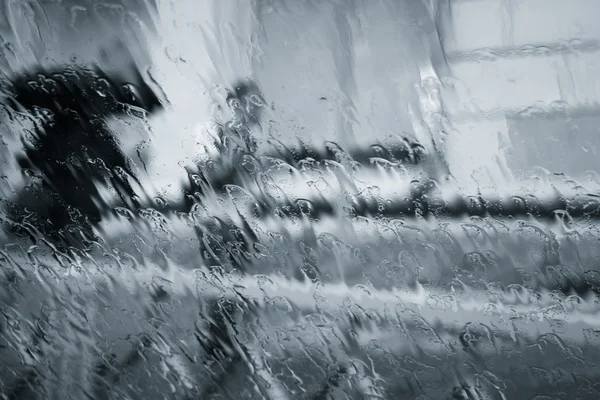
[{"x": 286, "y": 199}]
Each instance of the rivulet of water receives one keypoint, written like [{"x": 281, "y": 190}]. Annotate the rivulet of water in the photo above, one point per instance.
[{"x": 282, "y": 199}]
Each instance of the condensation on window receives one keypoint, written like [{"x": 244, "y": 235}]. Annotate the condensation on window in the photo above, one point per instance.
[{"x": 288, "y": 199}]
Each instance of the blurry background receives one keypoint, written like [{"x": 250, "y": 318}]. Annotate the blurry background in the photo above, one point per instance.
[
  {"x": 502, "y": 92},
  {"x": 348, "y": 71}
]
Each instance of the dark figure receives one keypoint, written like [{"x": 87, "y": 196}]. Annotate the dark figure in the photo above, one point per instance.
[
  {"x": 225, "y": 246},
  {"x": 221, "y": 240},
  {"x": 72, "y": 149},
  {"x": 235, "y": 140}
]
